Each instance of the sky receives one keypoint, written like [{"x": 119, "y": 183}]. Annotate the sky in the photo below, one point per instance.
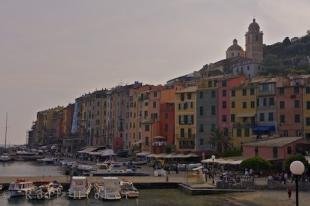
[{"x": 52, "y": 51}]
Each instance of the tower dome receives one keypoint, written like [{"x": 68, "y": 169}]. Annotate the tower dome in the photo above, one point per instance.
[
  {"x": 234, "y": 50},
  {"x": 254, "y": 27}
]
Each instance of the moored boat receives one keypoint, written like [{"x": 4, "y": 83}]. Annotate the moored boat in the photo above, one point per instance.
[
  {"x": 20, "y": 188},
  {"x": 47, "y": 160},
  {"x": 108, "y": 189},
  {"x": 128, "y": 190},
  {"x": 79, "y": 188},
  {"x": 5, "y": 158}
]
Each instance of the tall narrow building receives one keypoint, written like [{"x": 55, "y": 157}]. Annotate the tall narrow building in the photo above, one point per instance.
[{"x": 254, "y": 42}]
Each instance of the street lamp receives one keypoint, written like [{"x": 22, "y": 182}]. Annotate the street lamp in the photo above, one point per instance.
[
  {"x": 297, "y": 168},
  {"x": 213, "y": 159}
]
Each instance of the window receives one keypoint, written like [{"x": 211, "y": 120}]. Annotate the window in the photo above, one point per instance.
[
  {"x": 232, "y": 118},
  {"x": 146, "y": 104},
  {"x": 239, "y": 132},
  {"x": 225, "y": 131},
  {"x": 252, "y": 104},
  {"x": 224, "y": 83},
  {"x": 189, "y": 96},
  {"x": 296, "y": 103},
  {"x": 233, "y": 93},
  {"x": 201, "y": 110},
  {"x": 296, "y": 90},
  {"x": 213, "y": 94},
  {"x": 308, "y": 121},
  {"x": 244, "y": 105},
  {"x": 281, "y": 90},
  {"x": 256, "y": 151},
  {"x": 282, "y": 118},
  {"x": 192, "y": 118},
  {"x": 192, "y": 105},
  {"x": 185, "y": 105},
  {"x": 145, "y": 114},
  {"x": 224, "y": 93},
  {"x": 154, "y": 104},
  {"x": 307, "y": 90},
  {"x": 270, "y": 116},
  {"x": 271, "y": 101},
  {"x": 182, "y": 132},
  {"x": 146, "y": 141},
  {"x": 264, "y": 102},
  {"x": 297, "y": 118},
  {"x": 209, "y": 83},
  {"x": 201, "y": 129},
  {"x": 182, "y": 97},
  {"x": 252, "y": 91},
  {"x": 308, "y": 104},
  {"x": 224, "y": 118},
  {"x": 224, "y": 105},
  {"x": 244, "y": 92},
  {"x": 201, "y": 94},
  {"x": 289, "y": 150},
  {"x": 147, "y": 127},
  {"x": 247, "y": 132},
  {"x": 233, "y": 105},
  {"x": 189, "y": 132},
  {"x": 213, "y": 111},
  {"x": 179, "y": 106},
  {"x": 275, "y": 152},
  {"x": 261, "y": 117},
  {"x": 282, "y": 104}
]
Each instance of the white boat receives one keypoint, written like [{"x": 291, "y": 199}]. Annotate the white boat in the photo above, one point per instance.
[
  {"x": 128, "y": 190},
  {"x": 79, "y": 187},
  {"x": 85, "y": 167},
  {"x": 5, "y": 158},
  {"x": 46, "y": 191},
  {"x": 20, "y": 188},
  {"x": 108, "y": 189},
  {"x": 1, "y": 187}
]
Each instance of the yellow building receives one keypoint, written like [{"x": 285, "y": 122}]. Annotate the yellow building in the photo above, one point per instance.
[
  {"x": 185, "y": 119},
  {"x": 243, "y": 111}
]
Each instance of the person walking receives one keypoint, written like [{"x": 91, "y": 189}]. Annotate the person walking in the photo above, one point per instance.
[{"x": 289, "y": 192}]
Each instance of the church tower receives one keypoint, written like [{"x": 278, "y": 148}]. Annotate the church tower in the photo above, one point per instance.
[{"x": 254, "y": 42}]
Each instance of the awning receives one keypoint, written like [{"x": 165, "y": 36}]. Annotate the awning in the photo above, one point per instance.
[
  {"x": 103, "y": 153},
  {"x": 222, "y": 161},
  {"x": 87, "y": 150},
  {"x": 262, "y": 129}
]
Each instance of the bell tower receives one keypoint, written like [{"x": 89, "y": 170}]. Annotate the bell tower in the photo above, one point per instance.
[{"x": 254, "y": 42}]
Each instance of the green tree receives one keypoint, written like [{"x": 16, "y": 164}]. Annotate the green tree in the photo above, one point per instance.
[
  {"x": 220, "y": 140},
  {"x": 256, "y": 163}
]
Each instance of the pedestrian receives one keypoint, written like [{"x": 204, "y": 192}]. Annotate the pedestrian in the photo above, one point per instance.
[
  {"x": 285, "y": 178},
  {"x": 289, "y": 192}
]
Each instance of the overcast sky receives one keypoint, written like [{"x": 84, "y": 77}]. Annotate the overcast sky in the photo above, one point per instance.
[{"x": 53, "y": 51}]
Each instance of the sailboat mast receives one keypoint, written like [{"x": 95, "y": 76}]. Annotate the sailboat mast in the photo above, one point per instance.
[{"x": 6, "y": 129}]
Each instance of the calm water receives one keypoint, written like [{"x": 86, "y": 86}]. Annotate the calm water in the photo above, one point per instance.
[
  {"x": 19, "y": 168},
  {"x": 154, "y": 197}
]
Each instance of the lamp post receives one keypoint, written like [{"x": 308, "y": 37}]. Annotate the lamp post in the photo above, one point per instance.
[
  {"x": 213, "y": 173},
  {"x": 297, "y": 168}
]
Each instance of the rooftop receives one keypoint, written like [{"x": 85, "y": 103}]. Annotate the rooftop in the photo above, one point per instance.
[{"x": 275, "y": 142}]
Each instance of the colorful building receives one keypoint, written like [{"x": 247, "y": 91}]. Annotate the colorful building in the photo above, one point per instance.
[{"x": 185, "y": 116}]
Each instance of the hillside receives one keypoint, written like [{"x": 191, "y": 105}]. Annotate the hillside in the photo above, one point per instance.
[{"x": 288, "y": 56}]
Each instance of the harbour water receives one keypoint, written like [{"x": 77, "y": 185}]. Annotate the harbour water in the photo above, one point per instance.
[
  {"x": 20, "y": 168},
  {"x": 154, "y": 197}
]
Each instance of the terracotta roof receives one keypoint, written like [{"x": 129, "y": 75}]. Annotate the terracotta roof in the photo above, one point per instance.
[{"x": 275, "y": 142}]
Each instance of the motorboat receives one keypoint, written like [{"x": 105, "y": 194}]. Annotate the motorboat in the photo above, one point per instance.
[
  {"x": 20, "y": 188},
  {"x": 25, "y": 155},
  {"x": 46, "y": 191},
  {"x": 79, "y": 187},
  {"x": 128, "y": 190},
  {"x": 5, "y": 157},
  {"x": 47, "y": 160},
  {"x": 108, "y": 189}
]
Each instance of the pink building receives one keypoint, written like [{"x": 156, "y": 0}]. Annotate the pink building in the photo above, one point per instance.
[
  {"x": 223, "y": 98},
  {"x": 289, "y": 103},
  {"x": 272, "y": 149}
]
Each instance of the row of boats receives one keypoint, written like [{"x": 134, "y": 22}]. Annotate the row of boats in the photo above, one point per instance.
[{"x": 110, "y": 188}]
